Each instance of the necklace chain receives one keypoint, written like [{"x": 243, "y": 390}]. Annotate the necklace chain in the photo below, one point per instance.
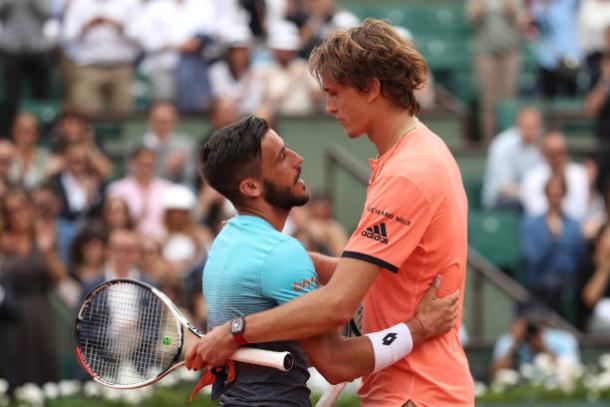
[{"x": 391, "y": 149}]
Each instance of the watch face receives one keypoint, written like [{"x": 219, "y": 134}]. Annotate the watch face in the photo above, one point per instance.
[{"x": 237, "y": 326}]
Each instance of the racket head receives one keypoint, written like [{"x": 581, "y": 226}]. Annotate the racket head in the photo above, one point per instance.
[{"x": 126, "y": 335}]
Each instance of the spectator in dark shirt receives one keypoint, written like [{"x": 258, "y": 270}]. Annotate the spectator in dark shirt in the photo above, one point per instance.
[{"x": 552, "y": 246}]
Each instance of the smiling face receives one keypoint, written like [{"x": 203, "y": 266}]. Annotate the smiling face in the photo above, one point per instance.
[
  {"x": 350, "y": 107},
  {"x": 283, "y": 186}
]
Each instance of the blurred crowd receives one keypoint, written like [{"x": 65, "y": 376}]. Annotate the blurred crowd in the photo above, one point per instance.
[
  {"x": 67, "y": 226},
  {"x": 69, "y": 219}
]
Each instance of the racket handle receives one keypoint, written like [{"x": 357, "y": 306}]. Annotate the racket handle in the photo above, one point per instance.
[
  {"x": 278, "y": 360},
  {"x": 331, "y": 395}
]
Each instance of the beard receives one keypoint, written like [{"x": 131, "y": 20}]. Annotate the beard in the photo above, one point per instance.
[{"x": 283, "y": 197}]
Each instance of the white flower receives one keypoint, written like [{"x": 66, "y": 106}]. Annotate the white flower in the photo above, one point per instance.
[
  {"x": 527, "y": 370},
  {"x": 604, "y": 361},
  {"x": 479, "y": 389},
  {"x": 3, "y": 386},
  {"x": 544, "y": 363},
  {"x": 30, "y": 393},
  {"x": 51, "y": 390},
  {"x": 108, "y": 393},
  {"x": 603, "y": 381},
  {"x": 188, "y": 375},
  {"x": 497, "y": 388},
  {"x": 132, "y": 397},
  {"x": 92, "y": 389},
  {"x": 69, "y": 387},
  {"x": 506, "y": 377}
]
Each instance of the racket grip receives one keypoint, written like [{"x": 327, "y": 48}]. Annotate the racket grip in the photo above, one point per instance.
[
  {"x": 279, "y": 360},
  {"x": 331, "y": 395}
]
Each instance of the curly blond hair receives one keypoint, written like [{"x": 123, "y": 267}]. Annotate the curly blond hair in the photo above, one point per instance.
[{"x": 372, "y": 50}]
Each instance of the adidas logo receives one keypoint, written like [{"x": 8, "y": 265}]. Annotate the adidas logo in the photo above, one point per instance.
[{"x": 377, "y": 233}]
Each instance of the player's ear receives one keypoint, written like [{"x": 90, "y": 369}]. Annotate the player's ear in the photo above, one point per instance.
[
  {"x": 373, "y": 89},
  {"x": 250, "y": 187}
]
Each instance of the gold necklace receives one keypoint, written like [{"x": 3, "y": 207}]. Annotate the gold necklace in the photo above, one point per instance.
[
  {"x": 412, "y": 127},
  {"x": 391, "y": 150}
]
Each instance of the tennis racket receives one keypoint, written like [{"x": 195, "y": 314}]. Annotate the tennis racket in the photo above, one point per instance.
[
  {"x": 353, "y": 328},
  {"x": 129, "y": 335}
]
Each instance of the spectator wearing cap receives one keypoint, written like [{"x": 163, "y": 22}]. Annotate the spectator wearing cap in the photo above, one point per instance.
[
  {"x": 289, "y": 87},
  {"x": 185, "y": 242},
  {"x": 142, "y": 191},
  {"x": 174, "y": 151},
  {"x": 233, "y": 78},
  {"x": 104, "y": 34}
]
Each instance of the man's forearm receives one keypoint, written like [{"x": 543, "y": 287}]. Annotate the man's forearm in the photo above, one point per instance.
[{"x": 304, "y": 317}]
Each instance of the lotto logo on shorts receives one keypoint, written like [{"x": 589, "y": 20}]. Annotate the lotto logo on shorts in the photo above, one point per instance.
[{"x": 377, "y": 233}]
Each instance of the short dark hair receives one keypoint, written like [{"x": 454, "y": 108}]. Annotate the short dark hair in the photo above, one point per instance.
[
  {"x": 233, "y": 153},
  {"x": 90, "y": 233}
]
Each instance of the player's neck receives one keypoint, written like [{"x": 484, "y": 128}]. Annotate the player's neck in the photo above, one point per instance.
[
  {"x": 275, "y": 216},
  {"x": 387, "y": 132}
]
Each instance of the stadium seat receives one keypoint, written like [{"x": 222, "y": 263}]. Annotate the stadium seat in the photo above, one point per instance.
[
  {"x": 474, "y": 188},
  {"x": 45, "y": 110},
  {"x": 495, "y": 234}
]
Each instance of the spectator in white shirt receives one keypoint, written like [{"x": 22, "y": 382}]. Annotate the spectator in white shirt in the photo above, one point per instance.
[
  {"x": 289, "y": 87},
  {"x": 166, "y": 29},
  {"x": 557, "y": 162},
  {"x": 233, "y": 78},
  {"x": 511, "y": 154},
  {"x": 141, "y": 190},
  {"x": 103, "y": 32},
  {"x": 175, "y": 158}
]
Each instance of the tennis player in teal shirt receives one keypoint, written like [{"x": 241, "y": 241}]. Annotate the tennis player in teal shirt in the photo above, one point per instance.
[{"x": 253, "y": 267}]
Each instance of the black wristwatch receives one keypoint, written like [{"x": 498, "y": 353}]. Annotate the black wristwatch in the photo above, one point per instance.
[{"x": 238, "y": 326}]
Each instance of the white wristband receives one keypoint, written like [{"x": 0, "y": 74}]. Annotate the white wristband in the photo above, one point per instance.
[{"x": 390, "y": 345}]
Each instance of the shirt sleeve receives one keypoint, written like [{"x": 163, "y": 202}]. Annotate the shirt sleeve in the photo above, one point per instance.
[
  {"x": 396, "y": 215},
  {"x": 288, "y": 272}
]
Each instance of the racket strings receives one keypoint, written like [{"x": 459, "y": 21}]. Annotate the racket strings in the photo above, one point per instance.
[{"x": 127, "y": 335}]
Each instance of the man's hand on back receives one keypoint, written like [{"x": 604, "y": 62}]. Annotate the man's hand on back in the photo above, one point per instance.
[{"x": 434, "y": 316}]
